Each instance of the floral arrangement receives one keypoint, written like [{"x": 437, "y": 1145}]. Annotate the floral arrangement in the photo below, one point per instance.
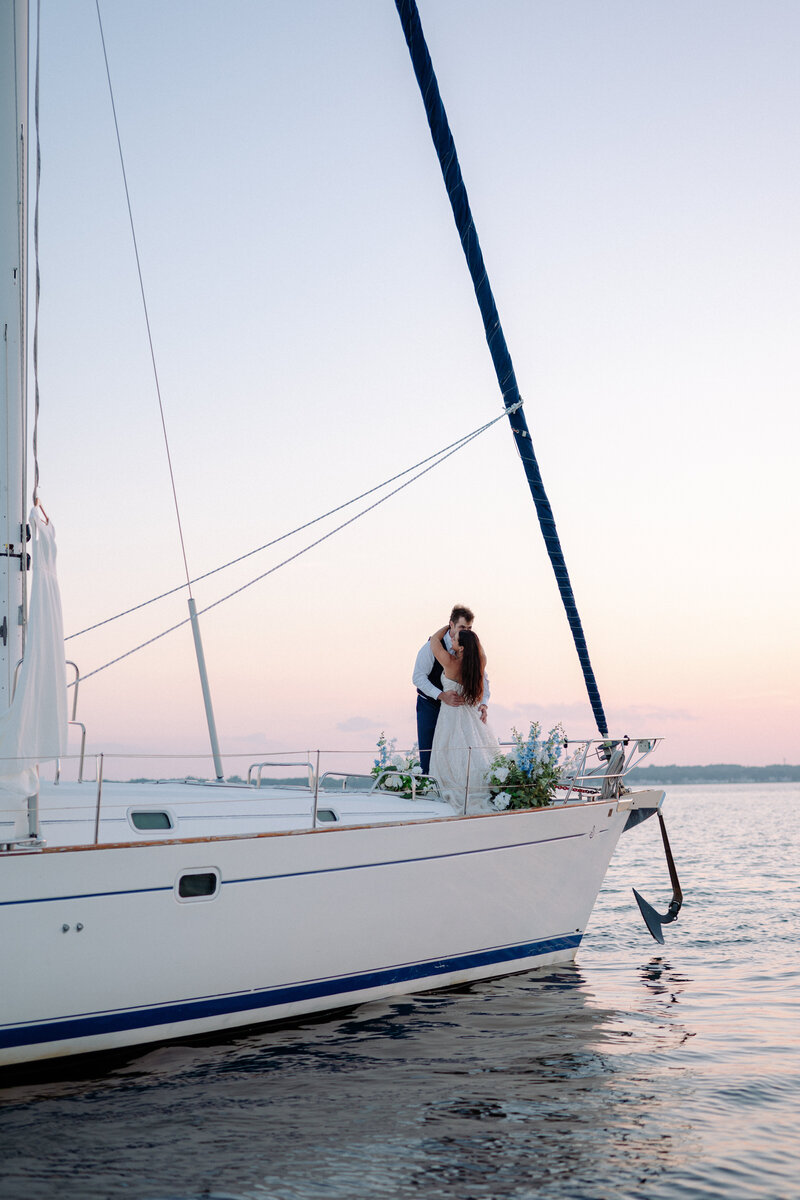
[
  {"x": 527, "y": 777},
  {"x": 400, "y": 771}
]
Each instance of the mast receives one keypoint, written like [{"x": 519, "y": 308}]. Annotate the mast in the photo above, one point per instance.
[
  {"x": 13, "y": 335},
  {"x": 495, "y": 338}
]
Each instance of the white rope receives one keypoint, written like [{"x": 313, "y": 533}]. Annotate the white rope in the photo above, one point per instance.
[
  {"x": 299, "y": 529},
  {"x": 440, "y": 458}
]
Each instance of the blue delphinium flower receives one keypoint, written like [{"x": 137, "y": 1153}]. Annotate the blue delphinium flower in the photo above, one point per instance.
[
  {"x": 530, "y": 773},
  {"x": 385, "y": 752}
]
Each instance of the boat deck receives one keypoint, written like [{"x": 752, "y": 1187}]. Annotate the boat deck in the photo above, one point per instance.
[
  {"x": 107, "y": 812},
  {"x": 145, "y": 812}
]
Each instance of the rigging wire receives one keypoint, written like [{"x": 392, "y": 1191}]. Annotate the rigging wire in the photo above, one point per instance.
[
  {"x": 299, "y": 529},
  {"x": 144, "y": 302},
  {"x": 465, "y": 441},
  {"x": 36, "y": 265}
]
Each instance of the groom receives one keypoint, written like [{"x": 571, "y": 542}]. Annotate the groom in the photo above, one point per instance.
[{"x": 427, "y": 679}]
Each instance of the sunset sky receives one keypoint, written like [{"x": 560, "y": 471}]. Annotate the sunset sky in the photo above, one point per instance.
[{"x": 635, "y": 182}]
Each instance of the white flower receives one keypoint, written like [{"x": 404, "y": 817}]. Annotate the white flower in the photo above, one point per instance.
[
  {"x": 392, "y": 781},
  {"x": 417, "y": 770},
  {"x": 500, "y": 774},
  {"x": 502, "y": 800}
]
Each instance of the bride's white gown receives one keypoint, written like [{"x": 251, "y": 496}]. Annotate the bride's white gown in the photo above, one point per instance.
[{"x": 459, "y": 729}]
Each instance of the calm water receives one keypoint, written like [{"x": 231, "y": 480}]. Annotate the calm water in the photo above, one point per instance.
[{"x": 643, "y": 1071}]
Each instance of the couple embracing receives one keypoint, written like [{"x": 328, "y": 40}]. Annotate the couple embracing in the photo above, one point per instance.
[{"x": 452, "y": 693}]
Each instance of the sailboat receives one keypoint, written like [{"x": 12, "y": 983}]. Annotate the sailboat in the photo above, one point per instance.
[{"x": 133, "y": 913}]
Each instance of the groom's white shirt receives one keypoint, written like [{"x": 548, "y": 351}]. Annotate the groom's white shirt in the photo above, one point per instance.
[{"x": 424, "y": 665}]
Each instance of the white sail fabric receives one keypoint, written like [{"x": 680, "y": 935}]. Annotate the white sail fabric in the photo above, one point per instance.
[{"x": 34, "y": 729}]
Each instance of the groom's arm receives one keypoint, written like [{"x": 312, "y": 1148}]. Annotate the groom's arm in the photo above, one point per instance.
[{"x": 422, "y": 669}]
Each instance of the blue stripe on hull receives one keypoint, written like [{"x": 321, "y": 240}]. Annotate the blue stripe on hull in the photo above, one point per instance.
[
  {"x": 367, "y": 866},
  {"x": 213, "y": 1006}
]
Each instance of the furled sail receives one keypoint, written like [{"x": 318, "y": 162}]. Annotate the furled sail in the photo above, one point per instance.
[
  {"x": 34, "y": 729},
  {"x": 457, "y": 193}
]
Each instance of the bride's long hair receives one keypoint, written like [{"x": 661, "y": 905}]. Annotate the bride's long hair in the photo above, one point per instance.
[{"x": 471, "y": 669}]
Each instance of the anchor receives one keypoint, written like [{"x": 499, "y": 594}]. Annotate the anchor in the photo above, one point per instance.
[{"x": 652, "y": 919}]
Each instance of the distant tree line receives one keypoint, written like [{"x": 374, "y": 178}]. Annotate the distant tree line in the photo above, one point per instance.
[{"x": 716, "y": 773}]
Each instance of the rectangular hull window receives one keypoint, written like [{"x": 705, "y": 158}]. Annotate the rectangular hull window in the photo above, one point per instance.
[
  {"x": 198, "y": 885},
  {"x": 148, "y": 819}
]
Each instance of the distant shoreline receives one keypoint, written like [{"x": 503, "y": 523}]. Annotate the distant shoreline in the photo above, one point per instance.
[{"x": 715, "y": 773}]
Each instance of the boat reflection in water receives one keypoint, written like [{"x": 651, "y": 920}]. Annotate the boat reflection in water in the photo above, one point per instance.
[{"x": 499, "y": 1088}]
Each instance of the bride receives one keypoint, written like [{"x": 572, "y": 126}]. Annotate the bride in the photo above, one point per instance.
[{"x": 462, "y": 739}]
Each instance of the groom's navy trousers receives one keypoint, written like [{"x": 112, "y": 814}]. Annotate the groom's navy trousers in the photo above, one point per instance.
[{"x": 427, "y": 716}]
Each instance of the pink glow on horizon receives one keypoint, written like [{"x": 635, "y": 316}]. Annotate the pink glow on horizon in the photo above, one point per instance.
[{"x": 642, "y": 243}]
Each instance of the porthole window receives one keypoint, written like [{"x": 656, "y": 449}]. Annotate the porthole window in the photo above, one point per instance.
[
  {"x": 198, "y": 885},
  {"x": 151, "y": 819},
  {"x": 326, "y": 815}
]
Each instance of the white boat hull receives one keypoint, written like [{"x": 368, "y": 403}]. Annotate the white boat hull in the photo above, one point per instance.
[{"x": 301, "y": 922}]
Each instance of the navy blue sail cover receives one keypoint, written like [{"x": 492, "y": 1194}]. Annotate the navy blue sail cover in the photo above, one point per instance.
[{"x": 448, "y": 160}]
